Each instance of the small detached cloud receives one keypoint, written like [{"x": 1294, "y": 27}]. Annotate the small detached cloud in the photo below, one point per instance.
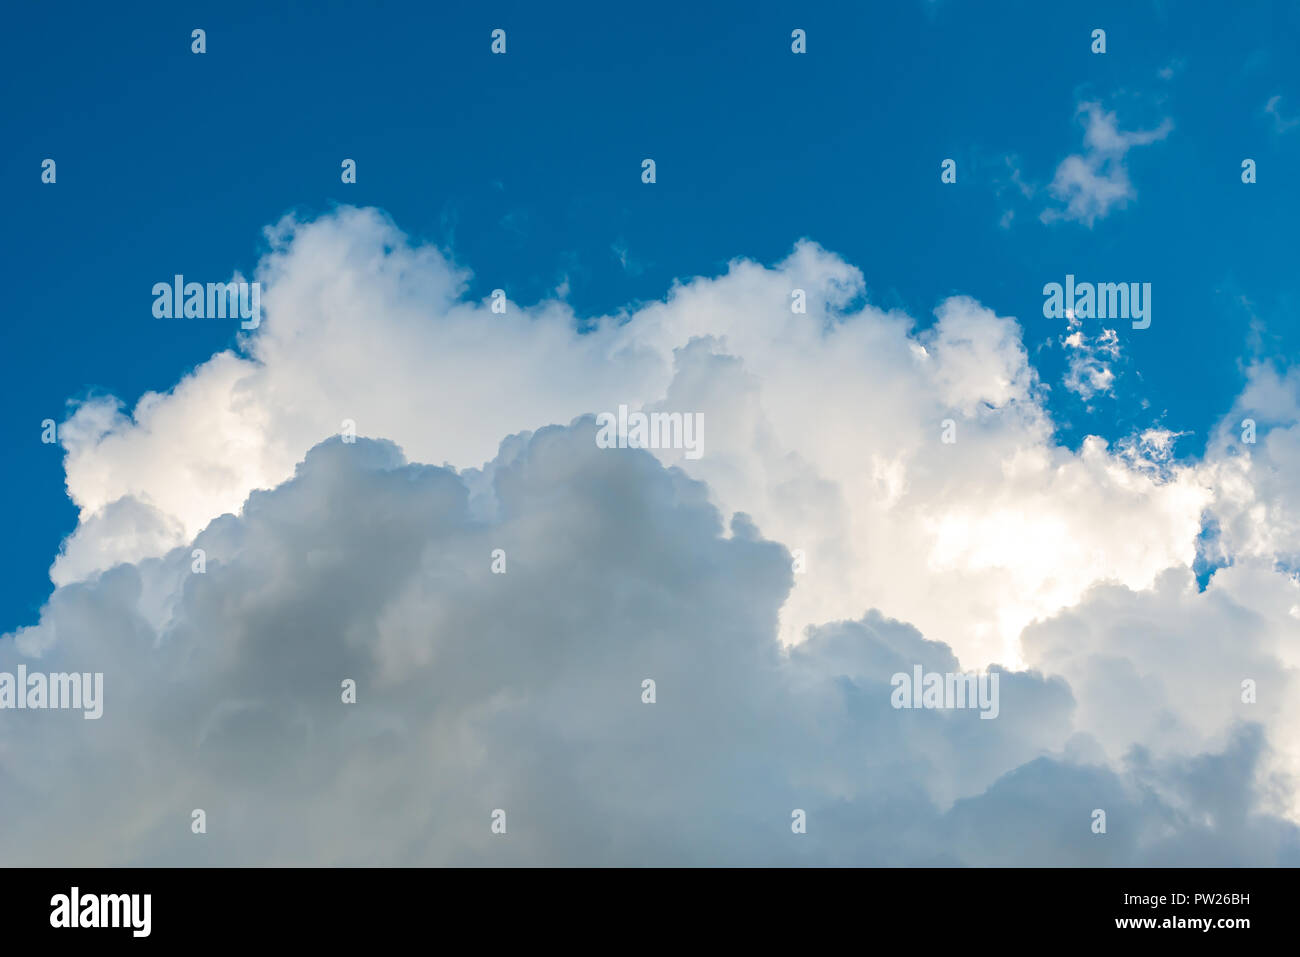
[
  {"x": 1089, "y": 370},
  {"x": 1171, "y": 69},
  {"x": 1089, "y": 185}
]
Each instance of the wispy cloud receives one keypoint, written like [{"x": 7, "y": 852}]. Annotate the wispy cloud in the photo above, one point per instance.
[
  {"x": 1014, "y": 179},
  {"x": 1093, "y": 183},
  {"x": 1280, "y": 123},
  {"x": 630, "y": 265}
]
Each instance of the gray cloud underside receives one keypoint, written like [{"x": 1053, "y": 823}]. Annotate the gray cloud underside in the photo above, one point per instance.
[{"x": 522, "y": 691}]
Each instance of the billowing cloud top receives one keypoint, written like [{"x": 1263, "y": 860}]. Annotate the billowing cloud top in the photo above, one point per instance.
[{"x": 872, "y": 497}]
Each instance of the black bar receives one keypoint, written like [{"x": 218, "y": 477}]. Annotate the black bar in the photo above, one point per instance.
[{"x": 665, "y": 907}]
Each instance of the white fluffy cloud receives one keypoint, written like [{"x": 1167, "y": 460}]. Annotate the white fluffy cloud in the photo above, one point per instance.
[
  {"x": 522, "y": 691},
  {"x": 825, "y": 427},
  {"x": 1092, "y": 183},
  {"x": 823, "y": 434},
  {"x": 1089, "y": 369},
  {"x": 1253, "y": 464}
]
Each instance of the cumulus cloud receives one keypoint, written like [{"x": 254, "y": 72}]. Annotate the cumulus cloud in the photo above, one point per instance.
[
  {"x": 522, "y": 692},
  {"x": 913, "y": 468},
  {"x": 824, "y": 426},
  {"x": 1092, "y": 183},
  {"x": 1161, "y": 669}
]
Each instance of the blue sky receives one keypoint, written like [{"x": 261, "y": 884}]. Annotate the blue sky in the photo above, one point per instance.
[
  {"x": 1122, "y": 598},
  {"x": 526, "y": 169}
]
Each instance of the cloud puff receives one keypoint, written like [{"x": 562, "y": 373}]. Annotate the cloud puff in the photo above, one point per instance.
[
  {"x": 1253, "y": 465},
  {"x": 1163, "y": 669},
  {"x": 1092, "y": 183},
  {"x": 1089, "y": 371},
  {"x": 522, "y": 692}
]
